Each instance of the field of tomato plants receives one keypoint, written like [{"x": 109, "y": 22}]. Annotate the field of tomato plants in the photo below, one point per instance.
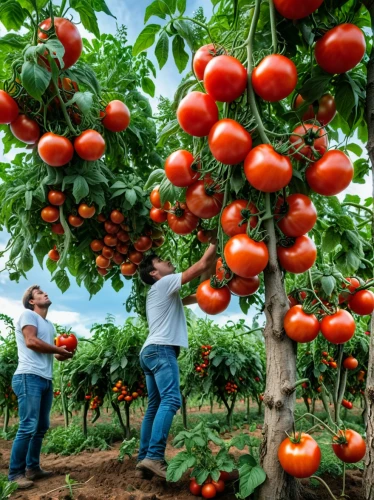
[{"x": 267, "y": 143}]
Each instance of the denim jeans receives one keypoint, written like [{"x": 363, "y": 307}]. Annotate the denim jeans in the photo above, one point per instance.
[
  {"x": 159, "y": 363},
  {"x": 35, "y": 396}
]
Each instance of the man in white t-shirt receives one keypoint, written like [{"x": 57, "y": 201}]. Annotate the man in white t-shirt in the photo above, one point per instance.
[
  {"x": 32, "y": 384},
  {"x": 158, "y": 357}
]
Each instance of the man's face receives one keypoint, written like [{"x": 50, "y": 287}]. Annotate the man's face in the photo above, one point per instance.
[
  {"x": 162, "y": 267},
  {"x": 40, "y": 299}
]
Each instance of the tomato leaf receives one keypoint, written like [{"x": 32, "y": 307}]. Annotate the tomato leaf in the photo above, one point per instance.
[
  {"x": 184, "y": 28},
  {"x": 35, "y": 79},
  {"x": 146, "y": 38},
  {"x": 84, "y": 74},
  {"x": 180, "y": 55},
  {"x": 87, "y": 15},
  {"x": 168, "y": 192},
  {"x": 12, "y": 41},
  {"x": 62, "y": 280},
  {"x": 12, "y": 15},
  {"x": 101, "y": 6},
  {"x": 241, "y": 441},
  {"x": 41, "y": 249},
  {"x": 162, "y": 49},
  {"x": 249, "y": 479},
  {"x": 157, "y": 9},
  {"x": 80, "y": 188},
  {"x": 346, "y": 100},
  {"x": 181, "y": 6},
  {"x": 237, "y": 180},
  {"x": 155, "y": 177},
  {"x": 331, "y": 240},
  {"x": 361, "y": 170},
  {"x": 315, "y": 87},
  {"x": 148, "y": 86},
  {"x": 171, "y": 128},
  {"x": 84, "y": 101},
  {"x": 179, "y": 465},
  {"x": 131, "y": 196},
  {"x": 328, "y": 284}
]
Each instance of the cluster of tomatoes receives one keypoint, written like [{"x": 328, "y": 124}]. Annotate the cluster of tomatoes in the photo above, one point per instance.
[
  {"x": 209, "y": 488},
  {"x": 11, "y": 399},
  {"x": 95, "y": 401},
  {"x": 202, "y": 368},
  {"x": 127, "y": 393},
  {"x": 231, "y": 387}
]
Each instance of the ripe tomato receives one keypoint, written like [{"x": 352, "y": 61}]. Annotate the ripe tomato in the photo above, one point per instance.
[
  {"x": 362, "y": 302},
  {"x": 118, "y": 258},
  {"x": 353, "y": 450},
  {"x": 117, "y": 116},
  {"x": 50, "y": 214},
  {"x": 158, "y": 242},
  {"x": 203, "y": 55},
  {"x": 158, "y": 215},
  {"x": 181, "y": 220},
  {"x": 347, "y": 404},
  {"x": 96, "y": 245},
  {"x": 225, "y": 476},
  {"x": 75, "y": 221},
  {"x": 69, "y": 36},
  {"x": 326, "y": 109},
  {"x": 344, "y": 296},
  {"x": 299, "y": 217},
  {"x": 110, "y": 240},
  {"x": 219, "y": 485},
  {"x": 56, "y": 198},
  {"x": 225, "y": 78},
  {"x": 246, "y": 257},
  {"x": 294, "y": 9},
  {"x": 90, "y": 145},
  {"x": 221, "y": 270},
  {"x": 128, "y": 268},
  {"x": 102, "y": 262},
  {"x": 86, "y": 211},
  {"x": 57, "y": 228},
  {"x": 300, "y": 326},
  {"x": 178, "y": 169},
  {"x": 69, "y": 340},
  {"x": 299, "y": 257},
  {"x": 101, "y": 218},
  {"x": 274, "y": 78},
  {"x": 116, "y": 217},
  {"x": 350, "y": 363},
  {"x": 212, "y": 300},
  {"x": 267, "y": 170},
  {"x": 333, "y": 364},
  {"x": 243, "y": 286},
  {"x": 54, "y": 255},
  {"x": 25, "y": 129},
  {"x": 338, "y": 328},
  {"x": 155, "y": 198},
  {"x": 123, "y": 236},
  {"x": 197, "y": 113},
  {"x": 331, "y": 174},
  {"x": 313, "y": 137},
  {"x": 8, "y": 108},
  {"x": 203, "y": 236},
  {"x": 208, "y": 491},
  {"x": 195, "y": 488},
  {"x": 143, "y": 243},
  {"x": 204, "y": 199},
  {"x": 229, "y": 142},
  {"x": 340, "y": 49},
  {"x": 300, "y": 459},
  {"x": 107, "y": 252},
  {"x": 110, "y": 227},
  {"x": 234, "y": 214},
  {"x": 135, "y": 257},
  {"x": 55, "y": 150},
  {"x": 122, "y": 248}
]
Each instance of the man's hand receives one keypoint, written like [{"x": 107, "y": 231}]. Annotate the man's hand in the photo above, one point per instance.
[{"x": 63, "y": 354}]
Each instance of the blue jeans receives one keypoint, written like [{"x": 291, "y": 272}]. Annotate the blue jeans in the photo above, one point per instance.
[
  {"x": 35, "y": 396},
  {"x": 159, "y": 363}
]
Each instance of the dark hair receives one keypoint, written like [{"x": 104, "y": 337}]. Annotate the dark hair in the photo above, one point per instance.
[
  {"x": 146, "y": 267},
  {"x": 27, "y": 296}
]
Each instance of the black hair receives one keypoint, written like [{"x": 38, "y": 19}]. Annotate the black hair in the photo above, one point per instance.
[{"x": 146, "y": 267}]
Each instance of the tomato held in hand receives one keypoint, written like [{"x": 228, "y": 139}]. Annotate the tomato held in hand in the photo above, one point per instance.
[
  {"x": 8, "y": 108},
  {"x": 246, "y": 257},
  {"x": 235, "y": 216},
  {"x": 326, "y": 109},
  {"x": 242, "y": 287},
  {"x": 212, "y": 300},
  {"x": 195, "y": 488},
  {"x": 350, "y": 363},
  {"x": 25, "y": 129},
  {"x": 331, "y": 174},
  {"x": 90, "y": 145},
  {"x": 297, "y": 216},
  {"x": 179, "y": 169},
  {"x": 299, "y": 257},
  {"x": 55, "y": 150},
  {"x": 294, "y": 9},
  {"x": 197, "y": 113},
  {"x": 181, "y": 220},
  {"x": 300, "y": 326},
  {"x": 338, "y": 328},
  {"x": 69, "y": 340},
  {"x": 50, "y": 214},
  {"x": 313, "y": 137},
  {"x": 340, "y": 49},
  {"x": 300, "y": 459},
  {"x": 117, "y": 116},
  {"x": 204, "y": 199},
  {"x": 274, "y": 78},
  {"x": 69, "y": 36},
  {"x": 229, "y": 142},
  {"x": 225, "y": 78},
  {"x": 362, "y": 302},
  {"x": 56, "y": 198},
  {"x": 202, "y": 57},
  {"x": 354, "y": 448},
  {"x": 208, "y": 491}
]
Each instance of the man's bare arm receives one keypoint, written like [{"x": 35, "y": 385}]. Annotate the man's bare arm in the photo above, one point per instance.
[
  {"x": 201, "y": 266},
  {"x": 189, "y": 300},
  {"x": 35, "y": 344}
]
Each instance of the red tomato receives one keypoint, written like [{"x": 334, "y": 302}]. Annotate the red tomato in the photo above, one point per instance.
[
  {"x": 350, "y": 363},
  {"x": 90, "y": 145},
  {"x": 203, "y": 236},
  {"x": 331, "y": 174},
  {"x": 208, "y": 491},
  {"x": 110, "y": 240},
  {"x": 197, "y": 113},
  {"x": 68, "y": 340},
  {"x": 267, "y": 170},
  {"x": 274, "y": 78},
  {"x": 56, "y": 198},
  {"x": 203, "y": 55},
  {"x": 243, "y": 286},
  {"x": 204, "y": 199},
  {"x": 229, "y": 142},
  {"x": 57, "y": 228},
  {"x": 86, "y": 211},
  {"x": 246, "y": 257},
  {"x": 54, "y": 255},
  {"x": 122, "y": 248},
  {"x": 135, "y": 257},
  {"x": 340, "y": 49},
  {"x": 123, "y": 236},
  {"x": 338, "y": 328},
  {"x": 354, "y": 283},
  {"x": 117, "y": 116},
  {"x": 225, "y": 476},
  {"x": 96, "y": 245},
  {"x": 25, "y": 129},
  {"x": 313, "y": 137},
  {"x": 69, "y": 36},
  {"x": 299, "y": 217},
  {"x": 299, "y": 257},
  {"x": 128, "y": 268},
  {"x": 155, "y": 198},
  {"x": 101, "y": 218},
  {"x": 55, "y": 150},
  {"x": 107, "y": 252},
  {"x": 219, "y": 485},
  {"x": 300, "y": 459},
  {"x": 362, "y": 302},
  {"x": 181, "y": 220},
  {"x": 158, "y": 242},
  {"x": 50, "y": 214},
  {"x": 212, "y": 300},
  {"x": 326, "y": 109},
  {"x": 221, "y": 270},
  {"x": 143, "y": 243},
  {"x": 158, "y": 215},
  {"x": 234, "y": 214},
  {"x": 354, "y": 448},
  {"x": 8, "y": 108},
  {"x": 195, "y": 488},
  {"x": 294, "y": 9},
  {"x": 225, "y": 78},
  {"x": 178, "y": 169},
  {"x": 111, "y": 228},
  {"x": 116, "y": 217},
  {"x": 118, "y": 258},
  {"x": 300, "y": 326},
  {"x": 75, "y": 221}
]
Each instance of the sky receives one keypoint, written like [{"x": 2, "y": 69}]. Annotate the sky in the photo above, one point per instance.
[{"x": 73, "y": 308}]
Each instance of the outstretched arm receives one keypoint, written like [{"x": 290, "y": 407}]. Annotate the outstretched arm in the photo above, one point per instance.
[{"x": 203, "y": 265}]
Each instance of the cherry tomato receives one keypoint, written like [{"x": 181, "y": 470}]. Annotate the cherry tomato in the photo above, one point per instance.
[
  {"x": 203, "y": 236},
  {"x": 155, "y": 198},
  {"x": 56, "y": 197},
  {"x": 69, "y": 36},
  {"x": 110, "y": 240},
  {"x": 128, "y": 268},
  {"x": 354, "y": 283},
  {"x": 118, "y": 258},
  {"x": 338, "y": 328},
  {"x": 122, "y": 248},
  {"x": 197, "y": 113},
  {"x": 362, "y": 302},
  {"x": 116, "y": 217},
  {"x": 331, "y": 174},
  {"x": 55, "y": 150},
  {"x": 300, "y": 326},
  {"x": 294, "y": 9},
  {"x": 117, "y": 116},
  {"x": 300, "y": 215},
  {"x": 158, "y": 215},
  {"x": 8, "y": 108},
  {"x": 246, "y": 257},
  {"x": 143, "y": 243},
  {"x": 212, "y": 300},
  {"x": 234, "y": 215},
  {"x": 225, "y": 476},
  {"x": 96, "y": 245},
  {"x": 179, "y": 169},
  {"x": 312, "y": 137},
  {"x": 75, "y": 221},
  {"x": 57, "y": 228},
  {"x": 195, "y": 488},
  {"x": 219, "y": 485},
  {"x": 203, "y": 55},
  {"x": 25, "y": 129},
  {"x": 350, "y": 363},
  {"x": 50, "y": 214},
  {"x": 326, "y": 109},
  {"x": 299, "y": 257},
  {"x": 300, "y": 459},
  {"x": 111, "y": 228},
  {"x": 135, "y": 257},
  {"x": 243, "y": 286},
  {"x": 86, "y": 211},
  {"x": 225, "y": 78},
  {"x": 204, "y": 199},
  {"x": 221, "y": 270},
  {"x": 90, "y": 145},
  {"x": 229, "y": 142},
  {"x": 181, "y": 220},
  {"x": 274, "y": 78},
  {"x": 353, "y": 450},
  {"x": 107, "y": 252},
  {"x": 208, "y": 491},
  {"x": 54, "y": 255}
]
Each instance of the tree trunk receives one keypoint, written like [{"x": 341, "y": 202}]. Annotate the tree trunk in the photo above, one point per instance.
[
  {"x": 84, "y": 417},
  {"x": 127, "y": 420},
  {"x": 306, "y": 404},
  {"x": 184, "y": 412},
  {"x": 230, "y": 411},
  {"x": 6, "y": 419}
]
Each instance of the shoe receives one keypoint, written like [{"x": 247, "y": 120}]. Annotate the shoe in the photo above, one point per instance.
[
  {"x": 38, "y": 474},
  {"x": 141, "y": 473},
  {"x": 23, "y": 482},
  {"x": 158, "y": 467}
]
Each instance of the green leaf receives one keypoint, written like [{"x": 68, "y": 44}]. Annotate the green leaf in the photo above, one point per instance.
[
  {"x": 179, "y": 465},
  {"x": 84, "y": 101},
  {"x": 355, "y": 148},
  {"x": 30, "y": 4},
  {"x": 328, "y": 284},
  {"x": 155, "y": 177},
  {"x": 315, "y": 87},
  {"x": 241, "y": 441},
  {"x": 13, "y": 41},
  {"x": 51, "y": 265},
  {"x": 35, "y": 79},
  {"x": 250, "y": 478},
  {"x": 180, "y": 55},
  {"x": 330, "y": 240},
  {"x": 41, "y": 249},
  {"x": 114, "y": 366},
  {"x": 101, "y": 6},
  {"x": 171, "y": 128},
  {"x": 146, "y": 38},
  {"x": 156, "y": 8},
  {"x": 84, "y": 74},
  {"x": 346, "y": 100},
  {"x": 237, "y": 180},
  {"x": 80, "y": 188},
  {"x": 16, "y": 247},
  {"x": 28, "y": 200},
  {"x": 56, "y": 49},
  {"x": 62, "y": 280},
  {"x": 87, "y": 15},
  {"x": 12, "y": 15},
  {"x": 181, "y": 6},
  {"x": 168, "y": 192},
  {"x": 131, "y": 196},
  {"x": 162, "y": 49},
  {"x": 117, "y": 284},
  {"x": 185, "y": 30},
  {"x": 94, "y": 378},
  {"x": 148, "y": 86}
]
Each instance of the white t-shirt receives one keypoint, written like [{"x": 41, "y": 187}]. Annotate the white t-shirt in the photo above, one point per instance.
[
  {"x": 30, "y": 361},
  {"x": 165, "y": 313}
]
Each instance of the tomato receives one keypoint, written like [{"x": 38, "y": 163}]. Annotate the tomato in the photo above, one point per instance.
[
  {"x": 86, "y": 211},
  {"x": 203, "y": 236},
  {"x": 313, "y": 136},
  {"x": 55, "y": 150},
  {"x": 299, "y": 217},
  {"x": 300, "y": 326},
  {"x": 331, "y": 174},
  {"x": 340, "y": 49},
  {"x": 361, "y": 376},
  {"x": 219, "y": 486},
  {"x": 143, "y": 243},
  {"x": 50, "y": 214},
  {"x": 69, "y": 36},
  {"x": 267, "y": 170},
  {"x": 221, "y": 270},
  {"x": 69, "y": 340},
  {"x": 354, "y": 283},
  {"x": 246, "y": 257},
  {"x": 102, "y": 262},
  {"x": 135, "y": 257},
  {"x": 54, "y": 255},
  {"x": 123, "y": 236},
  {"x": 300, "y": 459},
  {"x": 116, "y": 217},
  {"x": 96, "y": 245},
  {"x": 338, "y": 328},
  {"x": 235, "y": 216},
  {"x": 229, "y": 142},
  {"x": 274, "y": 78},
  {"x": 90, "y": 145},
  {"x": 101, "y": 218},
  {"x": 117, "y": 116},
  {"x": 128, "y": 268},
  {"x": 110, "y": 227},
  {"x": 197, "y": 113},
  {"x": 333, "y": 364},
  {"x": 57, "y": 228},
  {"x": 178, "y": 169},
  {"x": 326, "y": 109},
  {"x": 212, "y": 300},
  {"x": 181, "y": 220},
  {"x": 122, "y": 248},
  {"x": 299, "y": 257},
  {"x": 158, "y": 215},
  {"x": 203, "y": 55},
  {"x": 244, "y": 286},
  {"x": 350, "y": 363},
  {"x": 118, "y": 258},
  {"x": 354, "y": 448},
  {"x": 8, "y": 108},
  {"x": 204, "y": 199},
  {"x": 362, "y": 302},
  {"x": 225, "y": 78},
  {"x": 110, "y": 240},
  {"x": 208, "y": 491},
  {"x": 107, "y": 252},
  {"x": 195, "y": 488},
  {"x": 25, "y": 129},
  {"x": 155, "y": 198},
  {"x": 225, "y": 476},
  {"x": 75, "y": 221},
  {"x": 56, "y": 198}
]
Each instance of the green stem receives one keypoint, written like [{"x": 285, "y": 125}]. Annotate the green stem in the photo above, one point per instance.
[
  {"x": 63, "y": 4},
  {"x": 63, "y": 107},
  {"x": 202, "y": 25},
  {"x": 360, "y": 207},
  {"x": 273, "y": 25},
  {"x": 6, "y": 419},
  {"x": 318, "y": 420},
  {"x": 325, "y": 485},
  {"x": 326, "y": 406},
  {"x": 338, "y": 382},
  {"x": 301, "y": 381},
  {"x": 343, "y": 492}
]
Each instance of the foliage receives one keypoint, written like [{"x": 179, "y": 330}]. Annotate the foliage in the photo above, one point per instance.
[
  {"x": 7, "y": 488},
  {"x": 128, "y": 448},
  {"x": 8, "y": 365}
]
